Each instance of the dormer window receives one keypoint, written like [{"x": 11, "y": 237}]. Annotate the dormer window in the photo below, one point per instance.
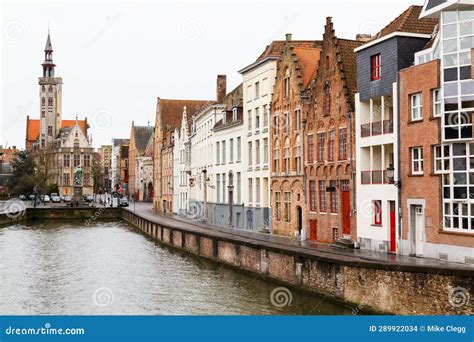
[
  {"x": 375, "y": 67},
  {"x": 234, "y": 114},
  {"x": 224, "y": 117}
]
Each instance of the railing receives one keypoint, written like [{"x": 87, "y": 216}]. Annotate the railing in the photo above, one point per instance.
[
  {"x": 374, "y": 177},
  {"x": 376, "y": 128}
]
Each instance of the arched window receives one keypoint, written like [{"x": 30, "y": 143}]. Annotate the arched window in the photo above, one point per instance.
[
  {"x": 287, "y": 83},
  {"x": 43, "y": 89},
  {"x": 50, "y": 89},
  {"x": 43, "y": 101},
  {"x": 327, "y": 100},
  {"x": 50, "y": 101},
  {"x": 287, "y": 155},
  {"x": 327, "y": 61}
]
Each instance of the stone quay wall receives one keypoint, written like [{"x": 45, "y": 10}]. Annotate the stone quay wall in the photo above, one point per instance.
[{"x": 365, "y": 285}]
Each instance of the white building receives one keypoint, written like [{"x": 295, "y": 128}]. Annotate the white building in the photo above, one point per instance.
[{"x": 258, "y": 81}]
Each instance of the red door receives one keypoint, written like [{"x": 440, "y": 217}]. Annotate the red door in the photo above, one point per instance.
[
  {"x": 346, "y": 212},
  {"x": 393, "y": 235},
  {"x": 313, "y": 230}
]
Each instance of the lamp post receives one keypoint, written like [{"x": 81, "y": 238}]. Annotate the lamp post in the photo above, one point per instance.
[{"x": 230, "y": 187}]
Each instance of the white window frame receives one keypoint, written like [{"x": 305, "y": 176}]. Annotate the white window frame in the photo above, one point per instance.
[
  {"x": 417, "y": 161},
  {"x": 416, "y": 109},
  {"x": 437, "y": 103}
]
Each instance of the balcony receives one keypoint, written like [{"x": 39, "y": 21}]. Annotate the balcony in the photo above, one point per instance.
[
  {"x": 376, "y": 128},
  {"x": 374, "y": 177}
]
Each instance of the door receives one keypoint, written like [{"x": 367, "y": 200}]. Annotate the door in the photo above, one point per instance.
[
  {"x": 419, "y": 229},
  {"x": 249, "y": 219},
  {"x": 313, "y": 230},
  {"x": 300, "y": 219},
  {"x": 346, "y": 212},
  {"x": 393, "y": 235}
]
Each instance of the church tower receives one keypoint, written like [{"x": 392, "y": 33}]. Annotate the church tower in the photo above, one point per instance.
[{"x": 50, "y": 99}]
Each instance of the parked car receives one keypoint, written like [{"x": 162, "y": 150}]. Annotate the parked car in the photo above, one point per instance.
[
  {"x": 55, "y": 198},
  {"x": 67, "y": 199},
  {"x": 23, "y": 198},
  {"x": 46, "y": 199},
  {"x": 89, "y": 198},
  {"x": 123, "y": 202},
  {"x": 31, "y": 197}
]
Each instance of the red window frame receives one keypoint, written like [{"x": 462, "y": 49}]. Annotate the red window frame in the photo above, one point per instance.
[
  {"x": 377, "y": 207},
  {"x": 375, "y": 67}
]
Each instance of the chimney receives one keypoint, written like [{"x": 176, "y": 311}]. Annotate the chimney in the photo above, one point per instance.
[
  {"x": 288, "y": 37},
  {"x": 363, "y": 37},
  {"x": 221, "y": 88}
]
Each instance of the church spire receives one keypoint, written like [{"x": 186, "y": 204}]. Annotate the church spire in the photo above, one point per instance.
[{"x": 48, "y": 65}]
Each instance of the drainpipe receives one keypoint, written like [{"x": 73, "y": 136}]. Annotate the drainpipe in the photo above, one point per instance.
[
  {"x": 399, "y": 188},
  {"x": 351, "y": 162}
]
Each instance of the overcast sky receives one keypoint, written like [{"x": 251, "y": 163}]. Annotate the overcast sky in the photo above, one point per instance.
[{"x": 117, "y": 58}]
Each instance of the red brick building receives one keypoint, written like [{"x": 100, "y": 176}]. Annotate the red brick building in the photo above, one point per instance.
[
  {"x": 330, "y": 141},
  {"x": 296, "y": 67}
]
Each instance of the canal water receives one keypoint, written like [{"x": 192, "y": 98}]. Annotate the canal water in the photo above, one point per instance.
[{"x": 66, "y": 268}]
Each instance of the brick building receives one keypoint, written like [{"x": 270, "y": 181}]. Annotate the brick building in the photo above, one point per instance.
[
  {"x": 330, "y": 141},
  {"x": 139, "y": 138},
  {"x": 436, "y": 139},
  {"x": 168, "y": 118},
  {"x": 296, "y": 67}
]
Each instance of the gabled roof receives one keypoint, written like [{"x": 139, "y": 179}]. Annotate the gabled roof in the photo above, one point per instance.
[
  {"x": 172, "y": 110},
  {"x": 142, "y": 135},
  {"x": 33, "y": 127},
  {"x": 408, "y": 22},
  {"x": 349, "y": 62},
  {"x": 308, "y": 58}
]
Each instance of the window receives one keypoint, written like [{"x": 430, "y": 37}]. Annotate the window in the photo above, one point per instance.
[
  {"x": 234, "y": 114},
  {"x": 375, "y": 67},
  {"x": 287, "y": 206},
  {"x": 441, "y": 158},
  {"x": 250, "y": 153},
  {"x": 312, "y": 195},
  {"x": 257, "y": 90},
  {"x": 342, "y": 143},
  {"x": 257, "y": 152},
  {"x": 257, "y": 118},
  {"x": 50, "y": 131},
  {"x": 218, "y": 188},
  {"x": 287, "y": 123},
  {"x": 257, "y": 190},
  {"x": 297, "y": 120},
  {"x": 277, "y": 206},
  {"x": 218, "y": 152},
  {"x": 417, "y": 160},
  {"x": 322, "y": 196},
  {"x": 43, "y": 101},
  {"x": 265, "y": 150},
  {"x": 276, "y": 157},
  {"x": 276, "y": 125},
  {"x": 287, "y": 83},
  {"x": 239, "y": 149},
  {"x": 223, "y": 152},
  {"x": 239, "y": 188},
  {"x": 86, "y": 179},
  {"x": 77, "y": 160},
  {"x": 249, "y": 118},
  {"x": 224, "y": 188},
  {"x": 332, "y": 184},
  {"x": 377, "y": 212},
  {"x": 265, "y": 115},
  {"x": 287, "y": 156},
  {"x": 327, "y": 100},
  {"x": 43, "y": 113},
  {"x": 231, "y": 150},
  {"x": 66, "y": 160},
  {"x": 50, "y": 101},
  {"x": 264, "y": 86},
  {"x": 66, "y": 179},
  {"x": 321, "y": 147},
  {"x": 416, "y": 107},
  {"x": 436, "y": 103},
  {"x": 310, "y": 157},
  {"x": 87, "y": 160},
  {"x": 298, "y": 155},
  {"x": 332, "y": 141},
  {"x": 250, "y": 190},
  {"x": 224, "y": 118}
]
